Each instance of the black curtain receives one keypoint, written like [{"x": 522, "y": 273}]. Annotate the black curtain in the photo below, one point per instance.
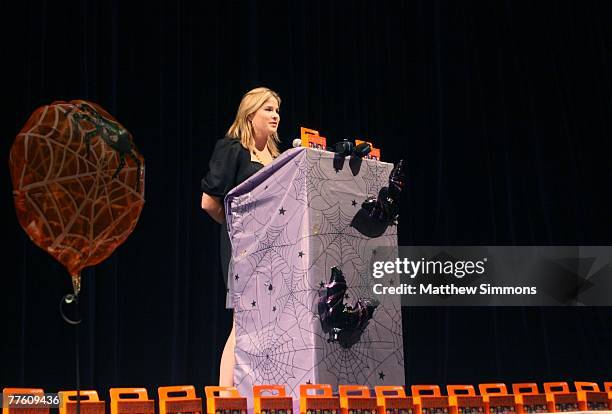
[{"x": 500, "y": 108}]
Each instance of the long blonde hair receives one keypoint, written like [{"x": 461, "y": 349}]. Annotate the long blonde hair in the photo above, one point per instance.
[{"x": 242, "y": 129}]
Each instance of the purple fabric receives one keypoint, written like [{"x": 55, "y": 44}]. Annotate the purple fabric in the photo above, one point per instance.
[{"x": 289, "y": 224}]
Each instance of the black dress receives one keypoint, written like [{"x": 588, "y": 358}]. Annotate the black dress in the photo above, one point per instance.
[{"x": 229, "y": 166}]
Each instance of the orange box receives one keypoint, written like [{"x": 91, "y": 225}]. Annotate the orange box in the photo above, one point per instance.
[
  {"x": 429, "y": 399},
  {"x": 356, "y": 397},
  {"x": 559, "y": 395},
  {"x": 305, "y": 132},
  {"x": 276, "y": 400},
  {"x": 89, "y": 402},
  {"x": 374, "y": 153},
  {"x": 496, "y": 397},
  {"x": 22, "y": 391},
  {"x": 463, "y": 400},
  {"x": 590, "y": 398},
  {"x": 178, "y": 399},
  {"x": 318, "y": 397},
  {"x": 131, "y": 401},
  {"x": 311, "y": 139},
  {"x": 232, "y": 401},
  {"x": 392, "y": 399},
  {"x": 529, "y": 399}
]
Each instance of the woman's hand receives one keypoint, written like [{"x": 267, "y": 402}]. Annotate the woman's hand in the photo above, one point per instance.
[{"x": 214, "y": 208}]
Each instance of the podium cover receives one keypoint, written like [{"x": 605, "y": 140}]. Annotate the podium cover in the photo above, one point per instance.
[{"x": 289, "y": 224}]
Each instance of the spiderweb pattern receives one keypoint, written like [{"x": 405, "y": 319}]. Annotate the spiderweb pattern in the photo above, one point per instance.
[
  {"x": 65, "y": 195},
  {"x": 349, "y": 366},
  {"x": 294, "y": 226},
  {"x": 309, "y": 180},
  {"x": 375, "y": 174},
  {"x": 271, "y": 356}
]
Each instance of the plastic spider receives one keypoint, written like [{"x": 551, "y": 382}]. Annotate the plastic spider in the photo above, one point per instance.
[
  {"x": 385, "y": 207},
  {"x": 113, "y": 134},
  {"x": 343, "y": 323}
]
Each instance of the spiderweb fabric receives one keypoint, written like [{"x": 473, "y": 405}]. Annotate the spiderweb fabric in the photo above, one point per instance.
[
  {"x": 78, "y": 183},
  {"x": 290, "y": 223}
]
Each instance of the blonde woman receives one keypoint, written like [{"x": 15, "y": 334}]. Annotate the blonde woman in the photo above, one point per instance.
[{"x": 250, "y": 143}]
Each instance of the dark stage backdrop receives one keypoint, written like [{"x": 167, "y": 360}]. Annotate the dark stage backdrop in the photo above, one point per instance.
[{"x": 500, "y": 108}]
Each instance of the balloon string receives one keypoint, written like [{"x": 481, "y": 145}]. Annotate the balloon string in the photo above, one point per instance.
[
  {"x": 68, "y": 299},
  {"x": 78, "y": 368}
]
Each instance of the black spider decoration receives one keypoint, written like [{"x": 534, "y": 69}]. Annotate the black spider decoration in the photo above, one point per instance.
[
  {"x": 343, "y": 323},
  {"x": 385, "y": 207},
  {"x": 113, "y": 134}
]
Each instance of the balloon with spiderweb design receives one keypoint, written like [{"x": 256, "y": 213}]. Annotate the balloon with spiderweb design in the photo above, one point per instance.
[
  {"x": 78, "y": 183},
  {"x": 289, "y": 224}
]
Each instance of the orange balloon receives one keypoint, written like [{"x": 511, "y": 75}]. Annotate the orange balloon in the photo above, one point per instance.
[{"x": 78, "y": 183}]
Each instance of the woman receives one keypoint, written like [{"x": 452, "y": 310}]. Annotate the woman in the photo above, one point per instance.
[{"x": 250, "y": 143}]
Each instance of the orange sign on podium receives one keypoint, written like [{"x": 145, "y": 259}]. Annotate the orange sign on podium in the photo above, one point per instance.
[
  {"x": 374, "y": 153},
  {"x": 311, "y": 139}
]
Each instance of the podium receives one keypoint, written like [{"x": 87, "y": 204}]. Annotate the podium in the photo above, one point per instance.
[{"x": 289, "y": 224}]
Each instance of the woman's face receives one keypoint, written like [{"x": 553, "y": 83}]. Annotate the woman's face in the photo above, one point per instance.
[{"x": 266, "y": 119}]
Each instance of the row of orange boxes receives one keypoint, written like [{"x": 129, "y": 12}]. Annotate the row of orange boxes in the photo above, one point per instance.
[
  {"x": 352, "y": 399},
  {"x": 495, "y": 399}
]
